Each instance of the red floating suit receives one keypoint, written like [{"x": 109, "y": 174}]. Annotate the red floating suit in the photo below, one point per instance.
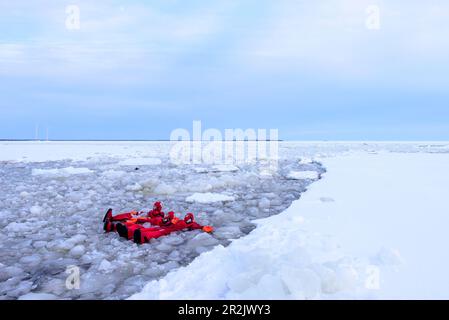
[
  {"x": 126, "y": 229},
  {"x": 142, "y": 235},
  {"x": 131, "y": 226},
  {"x": 154, "y": 217}
]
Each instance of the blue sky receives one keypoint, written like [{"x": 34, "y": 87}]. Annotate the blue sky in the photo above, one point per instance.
[{"x": 140, "y": 69}]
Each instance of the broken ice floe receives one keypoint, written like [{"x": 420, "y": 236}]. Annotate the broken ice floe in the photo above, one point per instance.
[
  {"x": 51, "y": 224},
  {"x": 140, "y": 162},
  {"x": 63, "y": 172},
  {"x": 209, "y": 197},
  {"x": 298, "y": 175}
]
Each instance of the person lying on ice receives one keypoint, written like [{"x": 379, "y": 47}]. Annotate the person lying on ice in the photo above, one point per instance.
[
  {"x": 131, "y": 227},
  {"x": 153, "y": 217},
  {"x": 126, "y": 228}
]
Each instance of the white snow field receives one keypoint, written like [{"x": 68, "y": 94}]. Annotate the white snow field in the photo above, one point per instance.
[
  {"x": 372, "y": 226},
  {"x": 392, "y": 210}
]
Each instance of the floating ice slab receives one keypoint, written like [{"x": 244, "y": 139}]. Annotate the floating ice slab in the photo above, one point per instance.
[
  {"x": 225, "y": 168},
  {"x": 63, "y": 172},
  {"x": 299, "y": 175},
  {"x": 38, "y": 296},
  {"x": 141, "y": 162},
  {"x": 209, "y": 197},
  {"x": 201, "y": 170},
  {"x": 306, "y": 160},
  {"x": 217, "y": 168}
]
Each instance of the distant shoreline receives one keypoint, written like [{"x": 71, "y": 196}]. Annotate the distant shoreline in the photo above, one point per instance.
[
  {"x": 297, "y": 141},
  {"x": 121, "y": 140}
]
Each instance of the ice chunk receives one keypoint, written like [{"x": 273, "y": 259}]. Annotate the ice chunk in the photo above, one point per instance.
[
  {"x": 55, "y": 286},
  {"x": 306, "y": 160},
  {"x": 149, "y": 183},
  {"x": 230, "y": 232},
  {"x": 264, "y": 203},
  {"x": 202, "y": 239},
  {"x": 302, "y": 175},
  {"x": 140, "y": 162},
  {"x": 133, "y": 187},
  {"x": 269, "y": 287},
  {"x": 84, "y": 205},
  {"x": 113, "y": 174},
  {"x": 9, "y": 272},
  {"x": 225, "y": 168},
  {"x": 240, "y": 282},
  {"x": 63, "y": 172},
  {"x": 173, "y": 240},
  {"x": 197, "y": 186},
  {"x": 18, "y": 227},
  {"x": 32, "y": 260},
  {"x": 105, "y": 266},
  {"x": 164, "y": 247},
  {"x": 78, "y": 238},
  {"x": 38, "y": 296},
  {"x": 217, "y": 168},
  {"x": 77, "y": 251},
  {"x": 389, "y": 257},
  {"x": 174, "y": 256},
  {"x": 39, "y": 244},
  {"x": 164, "y": 188},
  {"x": 209, "y": 197},
  {"x": 36, "y": 210},
  {"x": 170, "y": 265},
  {"x": 21, "y": 288},
  {"x": 302, "y": 283},
  {"x": 346, "y": 276},
  {"x": 72, "y": 242},
  {"x": 329, "y": 283},
  {"x": 201, "y": 249},
  {"x": 24, "y": 194}
]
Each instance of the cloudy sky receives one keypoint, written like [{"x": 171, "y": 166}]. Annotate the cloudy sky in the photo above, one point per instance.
[{"x": 324, "y": 69}]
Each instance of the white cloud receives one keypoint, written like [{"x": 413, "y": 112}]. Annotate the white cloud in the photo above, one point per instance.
[
  {"x": 330, "y": 38},
  {"x": 137, "y": 38},
  {"x": 11, "y": 52}
]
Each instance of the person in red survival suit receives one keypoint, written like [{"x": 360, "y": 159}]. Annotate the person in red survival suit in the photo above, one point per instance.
[
  {"x": 142, "y": 235},
  {"x": 154, "y": 217},
  {"x": 126, "y": 229}
]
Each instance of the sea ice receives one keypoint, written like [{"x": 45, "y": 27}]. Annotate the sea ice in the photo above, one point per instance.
[
  {"x": 63, "y": 172},
  {"x": 313, "y": 175},
  {"x": 209, "y": 197},
  {"x": 141, "y": 162}
]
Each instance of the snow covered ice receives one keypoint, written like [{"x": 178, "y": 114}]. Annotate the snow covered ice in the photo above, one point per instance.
[
  {"x": 378, "y": 207},
  {"x": 373, "y": 227}
]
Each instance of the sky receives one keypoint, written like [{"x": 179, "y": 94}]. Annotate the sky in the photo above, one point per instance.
[{"x": 314, "y": 70}]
